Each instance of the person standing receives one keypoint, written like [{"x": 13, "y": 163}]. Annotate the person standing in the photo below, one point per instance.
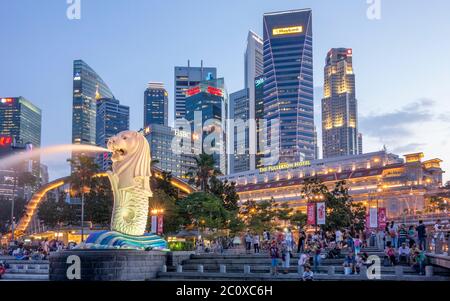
[
  {"x": 438, "y": 231},
  {"x": 301, "y": 242},
  {"x": 338, "y": 235},
  {"x": 286, "y": 257},
  {"x": 357, "y": 244},
  {"x": 248, "y": 242},
  {"x": 402, "y": 235},
  {"x": 421, "y": 235},
  {"x": 316, "y": 259},
  {"x": 302, "y": 261},
  {"x": 256, "y": 242},
  {"x": 274, "y": 255},
  {"x": 393, "y": 232},
  {"x": 411, "y": 236},
  {"x": 289, "y": 238}
]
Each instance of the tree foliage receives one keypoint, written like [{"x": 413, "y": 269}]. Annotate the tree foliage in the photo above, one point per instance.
[
  {"x": 202, "y": 172},
  {"x": 203, "y": 210}
]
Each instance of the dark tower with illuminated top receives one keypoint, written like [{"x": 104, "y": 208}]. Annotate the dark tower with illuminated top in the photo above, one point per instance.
[{"x": 288, "y": 83}]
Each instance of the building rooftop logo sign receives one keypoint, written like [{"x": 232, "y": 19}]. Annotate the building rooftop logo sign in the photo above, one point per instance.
[{"x": 287, "y": 30}]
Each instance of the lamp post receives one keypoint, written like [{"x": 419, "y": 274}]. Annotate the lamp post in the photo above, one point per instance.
[{"x": 82, "y": 216}]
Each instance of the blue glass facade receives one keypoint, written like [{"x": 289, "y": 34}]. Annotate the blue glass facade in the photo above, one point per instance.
[
  {"x": 87, "y": 87},
  {"x": 112, "y": 118},
  {"x": 210, "y": 99},
  {"x": 185, "y": 79},
  {"x": 156, "y": 102},
  {"x": 288, "y": 85},
  {"x": 20, "y": 121}
]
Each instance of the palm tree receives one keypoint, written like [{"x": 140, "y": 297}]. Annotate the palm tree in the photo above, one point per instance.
[
  {"x": 203, "y": 171},
  {"x": 84, "y": 168}
]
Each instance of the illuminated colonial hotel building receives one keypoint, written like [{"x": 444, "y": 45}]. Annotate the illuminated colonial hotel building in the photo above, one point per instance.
[{"x": 378, "y": 179}]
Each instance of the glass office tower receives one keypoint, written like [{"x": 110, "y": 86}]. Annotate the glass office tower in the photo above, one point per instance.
[
  {"x": 156, "y": 104},
  {"x": 185, "y": 79},
  {"x": 239, "y": 109},
  {"x": 88, "y": 86},
  {"x": 209, "y": 99},
  {"x": 112, "y": 118},
  {"x": 288, "y": 85},
  {"x": 20, "y": 121}
]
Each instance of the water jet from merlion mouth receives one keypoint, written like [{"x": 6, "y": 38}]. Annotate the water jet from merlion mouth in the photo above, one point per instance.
[{"x": 12, "y": 160}]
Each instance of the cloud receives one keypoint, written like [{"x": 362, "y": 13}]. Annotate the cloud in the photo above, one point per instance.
[
  {"x": 408, "y": 148},
  {"x": 444, "y": 117},
  {"x": 397, "y": 124}
]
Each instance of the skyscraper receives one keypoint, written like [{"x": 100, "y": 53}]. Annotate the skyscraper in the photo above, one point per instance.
[
  {"x": 20, "y": 131},
  {"x": 259, "y": 116},
  {"x": 254, "y": 67},
  {"x": 209, "y": 100},
  {"x": 339, "y": 106},
  {"x": 253, "y": 59},
  {"x": 186, "y": 78},
  {"x": 156, "y": 104},
  {"x": 88, "y": 86},
  {"x": 288, "y": 83},
  {"x": 20, "y": 121},
  {"x": 112, "y": 118},
  {"x": 164, "y": 156},
  {"x": 239, "y": 110}
]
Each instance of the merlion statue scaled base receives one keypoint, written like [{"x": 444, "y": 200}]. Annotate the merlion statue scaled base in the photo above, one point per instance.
[{"x": 130, "y": 182}]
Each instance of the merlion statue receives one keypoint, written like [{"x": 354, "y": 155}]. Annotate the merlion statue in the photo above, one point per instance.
[{"x": 130, "y": 183}]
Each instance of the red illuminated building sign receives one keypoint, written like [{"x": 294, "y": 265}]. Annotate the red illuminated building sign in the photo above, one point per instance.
[
  {"x": 7, "y": 100},
  {"x": 5, "y": 141},
  {"x": 214, "y": 91},
  {"x": 209, "y": 89},
  {"x": 193, "y": 91}
]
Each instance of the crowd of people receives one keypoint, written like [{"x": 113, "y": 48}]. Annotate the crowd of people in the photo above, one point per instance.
[
  {"x": 22, "y": 251},
  {"x": 402, "y": 245}
]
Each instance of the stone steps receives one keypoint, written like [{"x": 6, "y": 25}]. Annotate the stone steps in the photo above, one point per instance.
[
  {"x": 407, "y": 270},
  {"x": 27, "y": 277},
  {"x": 195, "y": 276},
  {"x": 29, "y": 270}
]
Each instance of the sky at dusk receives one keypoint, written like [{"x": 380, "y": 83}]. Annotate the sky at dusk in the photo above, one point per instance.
[{"x": 401, "y": 61}]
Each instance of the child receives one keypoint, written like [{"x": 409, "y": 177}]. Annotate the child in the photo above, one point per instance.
[{"x": 308, "y": 275}]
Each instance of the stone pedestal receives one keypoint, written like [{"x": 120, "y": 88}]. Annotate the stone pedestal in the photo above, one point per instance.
[{"x": 105, "y": 265}]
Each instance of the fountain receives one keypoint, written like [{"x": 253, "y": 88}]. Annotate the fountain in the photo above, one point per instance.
[
  {"x": 125, "y": 252},
  {"x": 119, "y": 254}
]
